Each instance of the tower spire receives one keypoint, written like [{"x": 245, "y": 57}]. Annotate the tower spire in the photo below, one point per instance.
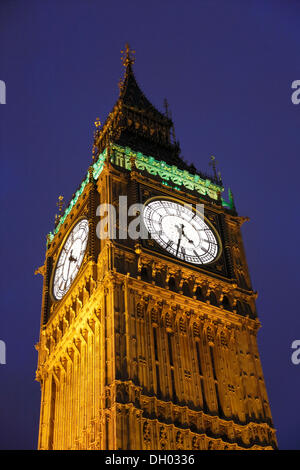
[{"x": 127, "y": 57}]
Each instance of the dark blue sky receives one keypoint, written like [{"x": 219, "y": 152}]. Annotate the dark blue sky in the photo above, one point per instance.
[{"x": 226, "y": 68}]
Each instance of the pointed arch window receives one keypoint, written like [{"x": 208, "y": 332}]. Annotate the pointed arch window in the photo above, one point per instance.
[
  {"x": 172, "y": 284},
  {"x": 226, "y": 303},
  {"x": 199, "y": 294},
  {"x": 186, "y": 289},
  {"x": 213, "y": 299}
]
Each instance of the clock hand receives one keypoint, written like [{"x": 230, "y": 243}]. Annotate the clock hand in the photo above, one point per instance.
[
  {"x": 180, "y": 237},
  {"x": 71, "y": 258},
  {"x": 190, "y": 241},
  {"x": 182, "y": 233},
  {"x": 68, "y": 273}
]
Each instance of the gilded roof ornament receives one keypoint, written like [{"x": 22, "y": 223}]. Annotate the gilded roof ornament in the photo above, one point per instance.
[
  {"x": 96, "y": 135},
  {"x": 127, "y": 57},
  {"x": 213, "y": 164}
]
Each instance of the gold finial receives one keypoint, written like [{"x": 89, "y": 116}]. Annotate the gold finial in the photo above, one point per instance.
[
  {"x": 213, "y": 163},
  {"x": 60, "y": 204},
  {"x": 97, "y": 123},
  {"x": 127, "y": 57},
  {"x": 96, "y": 135}
]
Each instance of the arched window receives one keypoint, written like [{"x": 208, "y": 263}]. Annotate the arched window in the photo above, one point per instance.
[
  {"x": 144, "y": 274},
  {"x": 247, "y": 309},
  {"x": 239, "y": 308},
  {"x": 226, "y": 303},
  {"x": 172, "y": 284},
  {"x": 199, "y": 293},
  {"x": 186, "y": 289},
  {"x": 213, "y": 299},
  {"x": 158, "y": 279},
  {"x": 243, "y": 283}
]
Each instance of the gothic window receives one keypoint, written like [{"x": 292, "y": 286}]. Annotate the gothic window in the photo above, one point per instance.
[
  {"x": 144, "y": 274},
  {"x": 239, "y": 308},
  {"x": 158, "y": 279},
  {"x": 226, "y": 303},
  {"x": 158, "y": 390},
  {"x": 220, "y": 411},
  {"x": 198, "y": 358},
  {"x": 248, "y": 309},
  {"x": 173, "y": 386},
  {"x": 203, "y": 394},
  {"x": 243, "y": 283},
  {"x": 155, "y": 343},
  {"x": 199, "y": 293},
  {"x": 213, "y": 299},
  {"x": 186, "y": 289},
  {"x": 211, "y": 351},
  {"x": 172, "y": 284},
  {"x": 169, "y": 336}
]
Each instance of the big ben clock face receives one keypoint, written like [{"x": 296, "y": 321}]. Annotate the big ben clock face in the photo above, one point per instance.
[
  {"x": 181, "y": 232},
  {"x": 70, "y": 259}
]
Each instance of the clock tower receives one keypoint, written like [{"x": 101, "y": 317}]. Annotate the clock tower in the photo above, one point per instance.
[{"x": 148, "y": 341}]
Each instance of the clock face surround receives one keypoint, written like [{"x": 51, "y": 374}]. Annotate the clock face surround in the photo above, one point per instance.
[
  {"x": 181, "y": 231},
  {"x": 70, "y": 259}
]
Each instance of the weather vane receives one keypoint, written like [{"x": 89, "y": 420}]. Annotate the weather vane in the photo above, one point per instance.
[{"x": 127, "y": 57}]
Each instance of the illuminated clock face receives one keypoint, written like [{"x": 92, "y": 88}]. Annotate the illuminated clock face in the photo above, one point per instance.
[
  {"x": 181, "y": 231},
  {"x": 70, "y": 259}
]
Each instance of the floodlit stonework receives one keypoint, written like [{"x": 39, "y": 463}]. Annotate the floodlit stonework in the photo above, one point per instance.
[{"x": 146, "y": 350}]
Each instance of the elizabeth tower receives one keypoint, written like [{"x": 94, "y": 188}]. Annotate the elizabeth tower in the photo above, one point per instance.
[{"x": 149, "y": 342}]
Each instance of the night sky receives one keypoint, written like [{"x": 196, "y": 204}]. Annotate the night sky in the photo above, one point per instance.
[{"x": 226, "y": 68}]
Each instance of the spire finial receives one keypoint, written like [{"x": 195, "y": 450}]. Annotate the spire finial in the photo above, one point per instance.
[
  {"x": 96, "y": 135},
  {"x": 167, "y": 108},
  {"x": 213, "y": 163},
  {"x": 60, "y": 204},
  {"x": 127, "y": 57}
]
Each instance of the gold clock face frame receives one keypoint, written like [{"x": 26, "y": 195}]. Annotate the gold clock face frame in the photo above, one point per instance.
[
  {"x": 181, "y": 231},
  {"x": 70, "y": 259}
]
